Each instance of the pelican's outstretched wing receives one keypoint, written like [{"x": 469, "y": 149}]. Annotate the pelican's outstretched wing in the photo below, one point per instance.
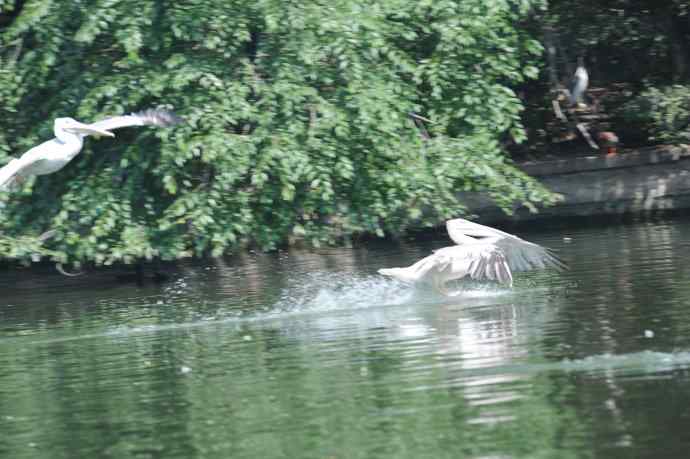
[
  {"x": 524, "y": 256},
  {"x": 520, "y": 255},
  {"x": 482, "y": 261},
  {"x": 12, "y": 171},
  {"x": 150, "y": 117},
  {"x": 459, "y": 229},
  {"x": 9, "y": 173}
]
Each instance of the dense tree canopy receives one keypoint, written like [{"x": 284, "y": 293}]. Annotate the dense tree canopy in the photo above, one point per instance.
[{"x": 297, "y": 120}]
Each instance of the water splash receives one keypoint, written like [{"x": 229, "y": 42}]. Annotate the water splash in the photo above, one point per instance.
[
  {"x": 320, "y": 292},
  {"x": 326, "y": 291},
  {"x": 469, "y": 289}
]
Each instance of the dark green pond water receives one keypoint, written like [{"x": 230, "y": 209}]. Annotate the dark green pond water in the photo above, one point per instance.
[{"x": 314, "y": 355}]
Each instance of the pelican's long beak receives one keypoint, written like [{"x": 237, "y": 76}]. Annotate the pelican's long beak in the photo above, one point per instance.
[{"x": 89, "y": 130}]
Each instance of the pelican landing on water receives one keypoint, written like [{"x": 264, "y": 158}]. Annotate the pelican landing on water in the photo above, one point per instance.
[
  {"x": 53, "y": 155},
  {"x": 483, "y": 253}
]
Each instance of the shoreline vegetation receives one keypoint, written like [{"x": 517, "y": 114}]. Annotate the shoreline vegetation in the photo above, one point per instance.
[{"x": 314, "y": 123}]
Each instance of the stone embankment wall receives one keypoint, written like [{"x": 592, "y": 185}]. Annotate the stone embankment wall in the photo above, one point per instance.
[{"x": 632, "y": 181}]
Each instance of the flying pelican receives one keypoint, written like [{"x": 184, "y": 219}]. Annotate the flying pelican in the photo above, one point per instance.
[
  {"x": 481, "y": 252},
  {"x": 53, "y": 155},
  {"x": 579, "y": 83}
]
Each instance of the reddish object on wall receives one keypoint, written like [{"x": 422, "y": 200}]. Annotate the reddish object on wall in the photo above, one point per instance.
[{"x": 608, "y": 140}]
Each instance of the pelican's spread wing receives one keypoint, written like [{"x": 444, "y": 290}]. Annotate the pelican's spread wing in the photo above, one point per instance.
[
  {"x": 12, "y": 171},
  {"x": 460, "y": 229},
  {"x": 482, "y": 261},
  {"x": 9, "y": 172},
  {"x": 520, "y": 255},
  {"x": 150, "y": 117},
  {"x": 524, "y": 256}
]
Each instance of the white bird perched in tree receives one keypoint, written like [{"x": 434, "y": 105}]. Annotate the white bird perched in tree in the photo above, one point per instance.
[
  {"x": 579, "y": 83},
  {"x": 483, "y": 253},
  {"x": 53, "y": 155}
]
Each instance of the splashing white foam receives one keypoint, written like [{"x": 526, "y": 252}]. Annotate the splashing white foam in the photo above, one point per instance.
[
  {"x": 328, "y": 291},
  {"x": 325, "y": 291},
  {"x": 479, "y": 290}
]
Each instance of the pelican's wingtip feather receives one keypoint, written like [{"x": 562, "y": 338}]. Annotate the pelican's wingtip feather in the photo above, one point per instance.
[
  {"x": 159, "y": 117},
  {"x": 557, "y": 261}
]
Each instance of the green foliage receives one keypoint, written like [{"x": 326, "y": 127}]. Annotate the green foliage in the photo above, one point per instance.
[
  {"x": 663, "y": 114},
  {"x": 297, "y": 120}
]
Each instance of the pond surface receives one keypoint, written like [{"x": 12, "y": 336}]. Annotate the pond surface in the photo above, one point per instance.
[{"x": 314, "y": 355}]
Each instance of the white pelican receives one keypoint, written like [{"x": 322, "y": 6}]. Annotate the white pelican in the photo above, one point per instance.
[
  {"x": 53, "y": 155},
  {"x": 579, "y": 83},
  {"x": 481, "y": 252}
]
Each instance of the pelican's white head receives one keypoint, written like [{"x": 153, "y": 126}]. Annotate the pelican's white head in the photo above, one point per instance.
[{"x": 64, "y": 126}]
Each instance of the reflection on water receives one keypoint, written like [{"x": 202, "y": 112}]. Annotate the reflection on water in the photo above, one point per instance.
[{"x": 312, "y": 354}]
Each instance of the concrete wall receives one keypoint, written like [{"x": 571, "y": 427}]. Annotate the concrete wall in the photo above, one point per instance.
[{"x": 644, "y": 180}]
